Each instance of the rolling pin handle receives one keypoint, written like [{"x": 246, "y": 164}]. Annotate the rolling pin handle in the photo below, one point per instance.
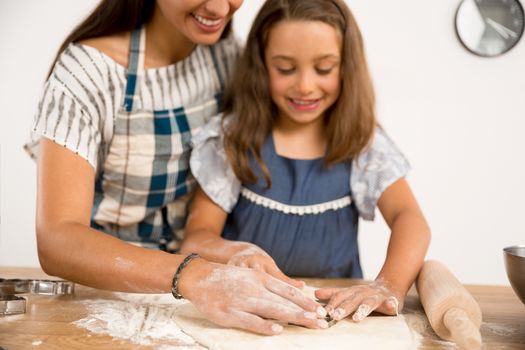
[{"x": 462, "y": 329}]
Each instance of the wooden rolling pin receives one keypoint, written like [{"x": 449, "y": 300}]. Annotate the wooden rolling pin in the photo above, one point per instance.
[{"x": 451, "y": 310}]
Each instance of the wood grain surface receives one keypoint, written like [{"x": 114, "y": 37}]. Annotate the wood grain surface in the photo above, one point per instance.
[{"x": 48, "y": 321}]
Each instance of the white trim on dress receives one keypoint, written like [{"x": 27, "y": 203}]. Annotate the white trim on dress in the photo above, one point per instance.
[{"x": 296, "y": 209}]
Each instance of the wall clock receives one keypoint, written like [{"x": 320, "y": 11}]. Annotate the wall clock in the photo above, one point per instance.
[{"x": 489, "y": 27}]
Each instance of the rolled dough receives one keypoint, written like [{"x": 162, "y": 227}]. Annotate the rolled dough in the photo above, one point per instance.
[{"x": 375, "y": 332}]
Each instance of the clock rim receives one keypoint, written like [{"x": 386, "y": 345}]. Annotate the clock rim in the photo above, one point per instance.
[{"x": 480, "y": 54}]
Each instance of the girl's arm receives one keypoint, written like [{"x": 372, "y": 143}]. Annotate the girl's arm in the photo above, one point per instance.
[
  {"x": 202, "y": 235},
  {"x": 69, "y": 248},
  {"x": 409, "y": 240},
  {"x": 204, "y": 226}
]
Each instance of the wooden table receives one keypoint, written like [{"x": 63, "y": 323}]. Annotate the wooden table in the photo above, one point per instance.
[{"x": 48, "y": 321}]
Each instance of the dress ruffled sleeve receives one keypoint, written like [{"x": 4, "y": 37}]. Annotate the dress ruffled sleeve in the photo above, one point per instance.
[
  {"x": 379, "y": 166},
  {"x": 211, "y": 168}
]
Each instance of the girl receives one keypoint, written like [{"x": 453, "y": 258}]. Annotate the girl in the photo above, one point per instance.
[
  {"x": 130, "y": 86},
  {"x": 300, "y": 157}
]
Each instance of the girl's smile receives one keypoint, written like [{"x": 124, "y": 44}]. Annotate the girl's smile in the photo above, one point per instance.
[{"x": 302, "y": 105}]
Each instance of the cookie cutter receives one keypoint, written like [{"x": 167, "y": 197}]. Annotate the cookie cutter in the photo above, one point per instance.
[
  {"x": 327, "y": 318},
  {"x": 11, "y": 304},
  {"x": 330, "y": 320}
]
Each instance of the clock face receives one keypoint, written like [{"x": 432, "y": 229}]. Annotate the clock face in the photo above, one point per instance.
[{"x": 489, "y": 27}]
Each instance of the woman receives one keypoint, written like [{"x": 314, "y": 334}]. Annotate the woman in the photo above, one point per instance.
[{"x": 129, "y": 87}]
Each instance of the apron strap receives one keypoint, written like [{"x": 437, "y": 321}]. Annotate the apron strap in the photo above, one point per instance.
[{"x": 135, "y": 69}]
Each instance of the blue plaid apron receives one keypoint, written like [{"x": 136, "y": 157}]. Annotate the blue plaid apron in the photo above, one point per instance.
[{"x": 142, "y": 192}]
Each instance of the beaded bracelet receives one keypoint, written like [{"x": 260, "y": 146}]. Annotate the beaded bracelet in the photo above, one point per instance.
[{"x": 175, "y": 281}]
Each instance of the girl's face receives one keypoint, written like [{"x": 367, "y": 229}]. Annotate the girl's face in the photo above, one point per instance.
[
  {"x": 200, "y": 21},
  {"x": 303, "y": 59}
]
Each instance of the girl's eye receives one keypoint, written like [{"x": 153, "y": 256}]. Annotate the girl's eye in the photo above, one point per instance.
[
  {"x": 322, "y": 71},
  {"x": 285, "y": 71}
]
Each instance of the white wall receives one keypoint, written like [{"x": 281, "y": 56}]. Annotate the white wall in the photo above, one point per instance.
[{"x": 457, "y": 117}]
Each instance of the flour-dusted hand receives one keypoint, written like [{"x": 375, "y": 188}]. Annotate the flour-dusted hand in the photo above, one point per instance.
[
  {"x": 245, "y": 298},
  {"x": 255, "y": 258},
  {"x": 361, "y": 300}
]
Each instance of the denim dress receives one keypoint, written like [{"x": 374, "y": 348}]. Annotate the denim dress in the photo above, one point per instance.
[{"x": 307, "y": 221}]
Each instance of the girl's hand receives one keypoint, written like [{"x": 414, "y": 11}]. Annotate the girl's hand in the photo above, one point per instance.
[
  {"x": 361, "y": 300},
  {"x": 255, "y": 258},
  {"x": 248, "y": 299}
]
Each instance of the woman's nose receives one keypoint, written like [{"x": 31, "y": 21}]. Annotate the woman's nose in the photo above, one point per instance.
[{"x": 218, "y": 8}]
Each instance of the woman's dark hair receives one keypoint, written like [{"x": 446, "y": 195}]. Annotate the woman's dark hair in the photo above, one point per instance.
[
  {"x": 350, "y": 122},
  {"x": 111, "y": 17}
]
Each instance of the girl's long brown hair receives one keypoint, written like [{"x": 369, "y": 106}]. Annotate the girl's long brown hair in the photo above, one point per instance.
[
  {"x": 111, "y": 17},
  {"x": 248, "y": 106}
]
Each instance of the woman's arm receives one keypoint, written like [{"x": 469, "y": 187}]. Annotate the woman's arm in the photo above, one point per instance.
[
  {"x": 203, "y": 236},
  {"x": 69, "y": 248},
  {"x": 409, "y": 240}
]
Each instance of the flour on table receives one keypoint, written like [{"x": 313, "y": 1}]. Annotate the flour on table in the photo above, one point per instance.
[
  {"x": 145, "y": 319},
  {"x": 498, "y": 329}
]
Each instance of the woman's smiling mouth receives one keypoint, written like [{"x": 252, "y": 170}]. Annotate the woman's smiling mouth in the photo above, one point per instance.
[{"x": 206, "y": 24}]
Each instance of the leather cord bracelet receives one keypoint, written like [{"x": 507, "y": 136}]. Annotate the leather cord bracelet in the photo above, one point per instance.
[{"x": 175, "y": 281}]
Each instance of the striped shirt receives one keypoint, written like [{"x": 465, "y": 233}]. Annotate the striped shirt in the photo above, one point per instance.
[{"x": 86, "y": 90}]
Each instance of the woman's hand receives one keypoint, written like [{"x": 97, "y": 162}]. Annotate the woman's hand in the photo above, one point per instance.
[
  {"x": 244, "y": 298},
  {"x": 361, "y": 300},
  {"x": 255, "y": 258}
]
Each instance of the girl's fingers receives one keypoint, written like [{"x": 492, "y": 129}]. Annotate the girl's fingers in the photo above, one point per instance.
[
  {"x": 345, "y": 295},
  {"x": 390, "y": 306},
  {"x": 343, "y": 302},
  {"x": 345, "y": 308},
  {"x": 326, "y": 293},
  {"x": 366, "y": 307}
]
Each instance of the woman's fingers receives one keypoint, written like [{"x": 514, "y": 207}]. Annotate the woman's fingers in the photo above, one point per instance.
[
  {"x": 261, "y": 318},
  {"x": 275, "y": 309},
  {"x": 252, "y": 323},
  {"x": 244, "y": 298},
  {"x": 294, "y": 295},
  {"x": 274, "y": 271},
  {"x": 264, "y": 263}
]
